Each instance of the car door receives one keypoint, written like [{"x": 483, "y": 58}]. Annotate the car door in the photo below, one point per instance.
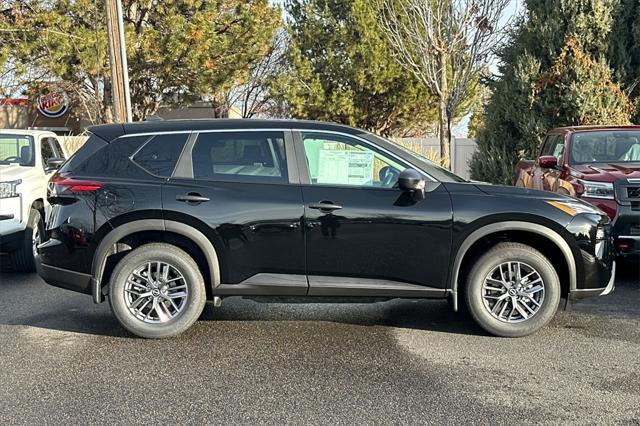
[
  {"x": 240, "y": 189},
  {"x": 363, "y": 235}
]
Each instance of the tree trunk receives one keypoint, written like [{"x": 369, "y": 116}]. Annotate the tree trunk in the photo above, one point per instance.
[
  {"x": 444, "y": 133},
  {"x": 444, "y": 119}
]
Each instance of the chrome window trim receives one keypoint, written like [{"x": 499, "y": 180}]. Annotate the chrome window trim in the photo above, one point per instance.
[
  {"x": 284, "y": 129},
  {"x": 173, "y": 132},
  {"x": 367, "y": 142}
]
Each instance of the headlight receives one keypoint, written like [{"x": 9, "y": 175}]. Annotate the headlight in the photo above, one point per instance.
[
  {"x": 597, "y": 189},
  {"x": 8, "y": 189},
  {"x": 573, "y": 208}
]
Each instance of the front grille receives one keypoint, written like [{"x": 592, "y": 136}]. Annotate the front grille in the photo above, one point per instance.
[{"x": 633, "y": 192}]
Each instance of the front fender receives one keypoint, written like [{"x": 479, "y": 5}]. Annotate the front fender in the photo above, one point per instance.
[{"x": 492, "y": 228}]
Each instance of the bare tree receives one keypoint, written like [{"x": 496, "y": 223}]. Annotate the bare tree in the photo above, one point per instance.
[
  {"x": 251, "y": 95},
  {"x": 446, "y": 44}
]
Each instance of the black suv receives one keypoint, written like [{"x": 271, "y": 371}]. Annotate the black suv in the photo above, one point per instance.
[{"x": 158, "y": 217}]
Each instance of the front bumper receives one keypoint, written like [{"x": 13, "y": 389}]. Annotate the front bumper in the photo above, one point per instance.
[
  {"x": 591, "y": 292},
  {"x": 626, "y": 226},
  {"x": 628, "y": 246},
  {"x": 11, "y": 233},
  {"x": 11, "y": 225}
]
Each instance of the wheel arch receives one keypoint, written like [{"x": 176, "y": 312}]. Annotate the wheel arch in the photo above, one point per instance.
[
  {"x": 505, "y": 227},
  {"x": 121, "y": 232}
]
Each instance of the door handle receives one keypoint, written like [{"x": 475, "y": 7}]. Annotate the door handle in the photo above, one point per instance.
[
  {"x": 324, "y": 205},
  {"x": 192, "y": 198}
]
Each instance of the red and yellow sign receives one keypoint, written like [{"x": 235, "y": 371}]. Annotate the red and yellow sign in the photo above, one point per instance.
[{"x": 53, "y": 105}]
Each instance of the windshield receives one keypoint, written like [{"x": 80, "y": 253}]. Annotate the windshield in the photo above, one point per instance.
[
  {"x": 432, "y": 169},
  {"x": 17, "y": 149},
  {"x": 605, "y": 147}
]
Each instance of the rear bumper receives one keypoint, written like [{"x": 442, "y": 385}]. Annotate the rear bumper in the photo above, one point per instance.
[
  {"x": 592, "y": 292},
  {"x": 64, "y": 278}
]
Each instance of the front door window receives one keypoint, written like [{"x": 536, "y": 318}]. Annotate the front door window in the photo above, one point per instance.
[{"x": 336, "y": 160}]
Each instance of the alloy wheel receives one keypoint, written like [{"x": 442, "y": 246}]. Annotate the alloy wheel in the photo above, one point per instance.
[
  {"x": 156, "y": 292},
  {"x": 513, "y": 292},
  {"x": 35, "y": 240}
]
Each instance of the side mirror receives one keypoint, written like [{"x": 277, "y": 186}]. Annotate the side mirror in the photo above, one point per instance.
[
  {"x": 411, "y": 181},
  {"x": 547, "y": 161},
  {"x": 54, "y": 163}
]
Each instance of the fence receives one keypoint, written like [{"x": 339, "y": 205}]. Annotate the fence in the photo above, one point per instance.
[{"x": 462, "y": 150}]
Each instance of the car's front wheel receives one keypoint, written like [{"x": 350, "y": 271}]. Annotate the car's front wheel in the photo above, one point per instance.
[
  {"x": 512, "y": 290},
  {"x": 157, "y": 291}
]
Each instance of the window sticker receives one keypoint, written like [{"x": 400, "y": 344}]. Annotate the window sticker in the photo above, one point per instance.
[{"x": 345, "y": 167}]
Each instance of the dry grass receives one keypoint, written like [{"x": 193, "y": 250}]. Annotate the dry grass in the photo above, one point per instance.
[
  {"x": 70, "y": 144},
  {"x": 428, "y": 152}
]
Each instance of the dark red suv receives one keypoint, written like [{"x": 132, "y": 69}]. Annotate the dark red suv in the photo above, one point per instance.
[{"x": 601, "y": 165}]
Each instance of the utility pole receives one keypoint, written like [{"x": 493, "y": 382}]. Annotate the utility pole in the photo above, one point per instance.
[{"x": 118, "y": 59}]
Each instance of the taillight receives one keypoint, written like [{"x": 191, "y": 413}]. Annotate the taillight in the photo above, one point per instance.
[{"x": 64, "y": 183}]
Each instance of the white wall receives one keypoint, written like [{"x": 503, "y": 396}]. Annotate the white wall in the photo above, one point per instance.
[{"x": 462, "y": 150}]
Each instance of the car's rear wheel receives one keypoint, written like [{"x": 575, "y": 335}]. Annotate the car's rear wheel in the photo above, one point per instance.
[
  {"x": 23, "y": 258},
  {"x": 512, "y": 290},
  {"x": 157, "y": 291}
]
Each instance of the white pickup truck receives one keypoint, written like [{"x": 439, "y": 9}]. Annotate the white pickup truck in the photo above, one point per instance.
[{"x": 27, "y": 160}]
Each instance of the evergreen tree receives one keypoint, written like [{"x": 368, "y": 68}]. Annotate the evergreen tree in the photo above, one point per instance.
[
  {"x": 624, "y": 50},
  {"x": 553, "y": 73},
  {"x": 177, "y": 50},
  {"x": 339, "y": 68}
]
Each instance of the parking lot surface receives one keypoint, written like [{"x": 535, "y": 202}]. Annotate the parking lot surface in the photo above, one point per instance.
[{"x": 64, "y": 359}]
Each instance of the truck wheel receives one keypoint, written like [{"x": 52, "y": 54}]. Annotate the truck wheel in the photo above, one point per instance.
[
  {"x": 157, "y": 291},
  {"x": 512, "y": 290},
  {"x": 23, "y": 258}
]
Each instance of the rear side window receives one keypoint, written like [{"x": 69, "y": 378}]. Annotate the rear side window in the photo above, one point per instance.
[
  {"x": 87, "y": 149},
  {"x": 160, "y": 155},
  {"x": 113, "y": 160},
  {"x": 240, "y": 156}
]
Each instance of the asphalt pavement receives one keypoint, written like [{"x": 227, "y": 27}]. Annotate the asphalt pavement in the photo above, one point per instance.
[{"x": 65, "y": 360}]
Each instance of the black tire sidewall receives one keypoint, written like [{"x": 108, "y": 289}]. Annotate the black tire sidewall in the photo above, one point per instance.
[
  {"x": 496, "y": 256},
  {"x": 196, "y": 298},
  {"x": 22, "y": 258}
]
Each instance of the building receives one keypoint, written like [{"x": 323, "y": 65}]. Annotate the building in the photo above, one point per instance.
[{"x": 52, "y": 111}]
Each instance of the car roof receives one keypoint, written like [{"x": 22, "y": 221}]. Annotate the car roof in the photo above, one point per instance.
[
  {"x": 574, "y": 129},
  {"x": 28, "y": 132},
  {"x": 112, "y": 131}
]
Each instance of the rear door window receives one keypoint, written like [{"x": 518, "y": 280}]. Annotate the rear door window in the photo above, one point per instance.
[
  {"x": 240, "y": 157},
  {"x": 160, "y": 155}
]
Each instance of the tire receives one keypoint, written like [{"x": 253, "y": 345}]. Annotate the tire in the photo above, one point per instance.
[
  {"x": 153, "y": 320},
  {"x": 482, "y": 299},
  {"x": 23, "y": 258}
]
